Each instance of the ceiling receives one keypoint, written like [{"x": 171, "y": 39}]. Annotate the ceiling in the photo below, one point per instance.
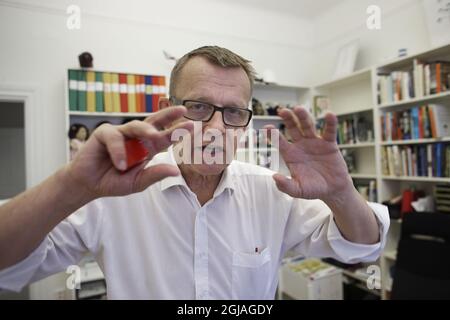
[{"x": 304, "y": 9}]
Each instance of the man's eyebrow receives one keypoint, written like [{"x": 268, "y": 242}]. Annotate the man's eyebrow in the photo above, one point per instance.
[{"x": 209, "y": 100}]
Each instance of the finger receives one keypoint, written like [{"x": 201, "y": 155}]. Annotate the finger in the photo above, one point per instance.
[
  {"x": 287, "y": 185},
  {"x": 137, "y": 129},
  {"x": 160, "y": 140},
  {"x": 306, "y": 122},
  {"x": 152, "y": 174},
  {"x": 331, "y": 125},
  {"x": 291, "y": 122},
  {"x": 114, "y": 141},
  {"x": 165, "y": 117}
]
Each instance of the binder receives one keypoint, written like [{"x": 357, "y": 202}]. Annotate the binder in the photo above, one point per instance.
[
  {"x": 131, "y": 83},
  {"x": 115, "y": 91},
  {"x": 107, "y": 92},
  {"x": 148, "y": 94},
  {"x": 140, "y": 100},
  {"x": 82, "y": 90},
  {"x": 99, "y": 92},
  {"x": 73, "y": 90},
  {"x": 123, "y": 91},
  {"x": 90, "y": 77}
]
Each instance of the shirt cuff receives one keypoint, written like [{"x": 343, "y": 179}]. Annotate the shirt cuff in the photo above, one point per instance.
[
  {"x": 17, "y": 276},
  {"x": 351, "y": 252}
]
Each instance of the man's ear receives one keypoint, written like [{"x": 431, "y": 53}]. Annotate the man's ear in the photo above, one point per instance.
[{"x": 163, "y": 103}]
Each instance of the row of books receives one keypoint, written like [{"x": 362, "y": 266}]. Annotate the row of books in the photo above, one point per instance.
[
  {"x": 95, "y": 91},
  {"x": 421, "y": 80},
  {"x": 442, "y": 197},
  {"x": 428, "y": 121},
  {"x": 429, "y": 160},
  {"x": 356, "y": 129}
]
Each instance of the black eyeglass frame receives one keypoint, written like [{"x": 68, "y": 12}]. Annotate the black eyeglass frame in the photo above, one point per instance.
[{"x": 216, "y": 108}]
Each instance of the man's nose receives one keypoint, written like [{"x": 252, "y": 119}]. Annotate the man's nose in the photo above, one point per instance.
[{"x": 216, "y": 122}]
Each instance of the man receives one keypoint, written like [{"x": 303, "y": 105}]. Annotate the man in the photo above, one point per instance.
[{"x": 173, "y": 229}]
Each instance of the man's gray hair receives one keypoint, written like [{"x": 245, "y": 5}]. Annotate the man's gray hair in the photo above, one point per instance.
[{"x": 216, "y": 55}]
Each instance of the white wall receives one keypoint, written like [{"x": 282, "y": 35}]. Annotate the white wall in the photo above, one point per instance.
[
  {"x": 402, "y": 26},
  {"x": 37, "y": 48}
]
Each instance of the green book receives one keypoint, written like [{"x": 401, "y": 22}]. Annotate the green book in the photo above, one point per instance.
[
  {"x": 82, "y": 87},
  {"x": 73, "y": 90},
  {"x": 99, "y": 87}
]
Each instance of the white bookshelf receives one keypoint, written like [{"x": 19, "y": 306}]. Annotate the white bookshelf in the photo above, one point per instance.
[
  {"x": 275, "y": 95},
  {"x": 352, "y": 96},
  {"x": 390, "y": 185},
  {"x": 357, "y": 145}
]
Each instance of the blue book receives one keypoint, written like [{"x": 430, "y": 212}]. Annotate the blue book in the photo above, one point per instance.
[
  {"x": 439, "y": 159},
  {"x": 148, "y": 94}
]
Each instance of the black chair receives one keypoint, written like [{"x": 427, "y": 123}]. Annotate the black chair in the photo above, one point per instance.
[{"x": 422, "y": 269}]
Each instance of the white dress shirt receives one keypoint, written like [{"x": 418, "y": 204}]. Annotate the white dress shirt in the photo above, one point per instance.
[{"x": 162, "y": 244}]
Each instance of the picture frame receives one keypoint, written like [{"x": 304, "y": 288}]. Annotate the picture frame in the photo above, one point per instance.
[{"x": 346, "y": 59}]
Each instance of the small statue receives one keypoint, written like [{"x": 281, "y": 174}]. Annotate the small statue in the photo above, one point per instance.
[
  {"x": 272, "y": 110},
  {"x": 257, "y": 107},
  {"x": 86, "y": 60}
]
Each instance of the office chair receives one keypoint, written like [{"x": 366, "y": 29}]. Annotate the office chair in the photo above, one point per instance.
[{"x": 422, "y": 269}]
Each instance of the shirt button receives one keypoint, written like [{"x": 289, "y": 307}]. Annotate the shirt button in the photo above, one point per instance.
[{"x": 203, "y": 255}]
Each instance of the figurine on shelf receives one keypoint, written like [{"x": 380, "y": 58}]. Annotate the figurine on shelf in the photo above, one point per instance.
[
  {"x": 272, "y": 110},
  {"x": 86, "y": 60},
  {"x": 78, "y": 135},
  {"x": 257, "y": 107}
]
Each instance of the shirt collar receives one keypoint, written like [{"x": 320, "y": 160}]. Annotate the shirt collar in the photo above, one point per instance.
[{"x": 226, "y": 182}]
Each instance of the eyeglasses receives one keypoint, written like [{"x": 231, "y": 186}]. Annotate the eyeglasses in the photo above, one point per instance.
[{"x": 202, "y": 111}]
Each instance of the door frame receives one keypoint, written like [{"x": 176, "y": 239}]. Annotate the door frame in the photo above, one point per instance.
[{"x": 28, "y": 95}]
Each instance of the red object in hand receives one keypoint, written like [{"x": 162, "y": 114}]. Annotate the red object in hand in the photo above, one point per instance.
[{"x": 136, "y": 152}]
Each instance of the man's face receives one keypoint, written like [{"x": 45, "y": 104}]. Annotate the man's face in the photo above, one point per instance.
[{"x": 200, "y": 80}]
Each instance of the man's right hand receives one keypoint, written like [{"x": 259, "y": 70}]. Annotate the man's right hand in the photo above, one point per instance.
[{"x": 98, "y": 170}]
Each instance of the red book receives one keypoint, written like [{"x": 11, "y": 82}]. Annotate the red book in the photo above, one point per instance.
[
  {"x": 141, "y": 93},
  {"x": 123, "y": 90}
]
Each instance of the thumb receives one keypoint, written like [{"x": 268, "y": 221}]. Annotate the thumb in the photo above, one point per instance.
[
  {"x": 153, "y": 174},
  {"x": 287, "y": 185}
]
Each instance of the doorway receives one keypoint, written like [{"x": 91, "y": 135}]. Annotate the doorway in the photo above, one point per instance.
[{"x": 12, "y": 149}]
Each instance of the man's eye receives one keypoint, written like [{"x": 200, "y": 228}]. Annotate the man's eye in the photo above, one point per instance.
[
  {"x": 234, "y": 111},
  {"x": 199, "y": 107}
]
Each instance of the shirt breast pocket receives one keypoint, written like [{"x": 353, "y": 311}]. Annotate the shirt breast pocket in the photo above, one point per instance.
[{"x": 251, "y": 275}]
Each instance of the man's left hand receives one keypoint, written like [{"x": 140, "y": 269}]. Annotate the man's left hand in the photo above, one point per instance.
[{"x": 317, "y": 167}]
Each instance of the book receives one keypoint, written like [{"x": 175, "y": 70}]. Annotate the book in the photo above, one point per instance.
[
  {"x": 99, "y": 92},
  {"x": 73, "y": 90},
  {"x": 123, "y": 90},
  {"x": 82, "y": 86},
  {"x": 148, "y": 94},
  {"x": 90, "y": 91},
  {"x": 115, "y": 90},
  {"x": 107, "y": 92},
  {"x": 131, "y": 83}
]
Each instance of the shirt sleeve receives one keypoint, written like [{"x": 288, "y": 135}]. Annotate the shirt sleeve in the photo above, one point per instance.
[
  {"x": 312, "y": 232},
  {"x": 65, "y": 245}
]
